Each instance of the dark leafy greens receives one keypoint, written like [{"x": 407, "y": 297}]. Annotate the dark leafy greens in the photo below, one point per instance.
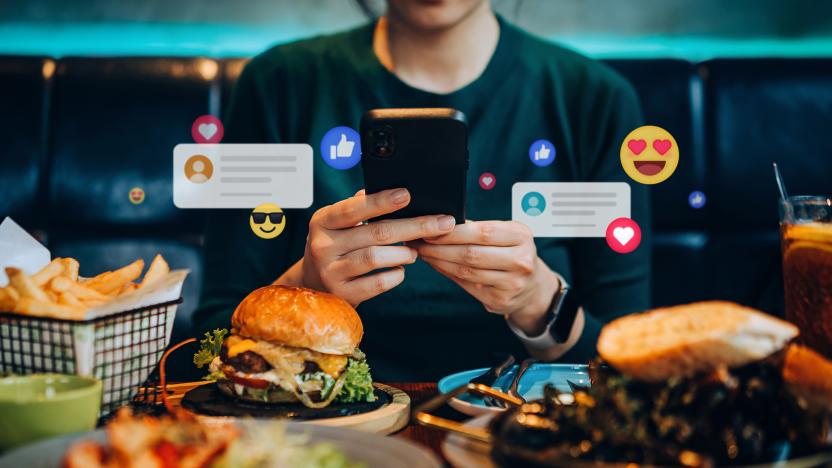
[
  {"x": 209, "y": 348},
  {"x": 729, "y": 417}
]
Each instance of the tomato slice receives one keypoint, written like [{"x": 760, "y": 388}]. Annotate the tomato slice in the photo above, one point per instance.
[
  {"x": 246, "y": 382},
  {"x": 168, "y": 454}
]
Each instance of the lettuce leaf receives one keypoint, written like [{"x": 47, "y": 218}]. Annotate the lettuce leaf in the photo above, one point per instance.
[
  {"x": 358, "y": 384},
  {"x": 209, "y": 348},
  {"x": 214, "y": 376}
]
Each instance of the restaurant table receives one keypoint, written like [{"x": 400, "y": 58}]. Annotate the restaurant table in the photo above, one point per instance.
[
  {"x": 425, "y": 436},
  {"x": 419, "y": 392}
]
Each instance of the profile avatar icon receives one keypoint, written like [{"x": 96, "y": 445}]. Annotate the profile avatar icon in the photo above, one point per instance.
[
  {"x": 199, "y": 169},
  {"x": 533, "y": 204}
]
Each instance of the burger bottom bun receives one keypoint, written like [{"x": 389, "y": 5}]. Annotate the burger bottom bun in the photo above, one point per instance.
[{"x": 254, "y": 395}]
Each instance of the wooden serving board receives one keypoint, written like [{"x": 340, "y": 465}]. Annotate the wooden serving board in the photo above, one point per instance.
[{"x": 389, "y": 418}]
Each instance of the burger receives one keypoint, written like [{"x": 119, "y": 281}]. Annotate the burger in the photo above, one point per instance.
[
  {"x": 699, "y": 385},
  {"x": 288, "y": 345}
]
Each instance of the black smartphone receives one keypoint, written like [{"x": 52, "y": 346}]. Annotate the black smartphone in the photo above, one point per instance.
[{"x": 424, "y": 150}]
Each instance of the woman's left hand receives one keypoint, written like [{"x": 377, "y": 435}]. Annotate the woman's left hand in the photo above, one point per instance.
[{"x": 497, "y": 263}]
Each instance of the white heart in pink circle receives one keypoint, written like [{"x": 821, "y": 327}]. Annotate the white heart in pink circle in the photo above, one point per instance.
[
  {"x": 207, "y": 130},
  {"x": 623, "y": 234},
  {"x": 487, "y": 181}
]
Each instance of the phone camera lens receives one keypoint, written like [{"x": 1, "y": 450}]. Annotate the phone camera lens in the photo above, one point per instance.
[{"x": 381, "y": 142}]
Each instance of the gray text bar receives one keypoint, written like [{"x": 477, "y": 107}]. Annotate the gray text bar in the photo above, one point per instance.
[
  {"x": 573, "y": 212},
  {"x": 259, "y": 180},
  {"x": 258, "y": 169},
  {"x": 584, "y": 194},
  {"x": 258, "y": 158}
]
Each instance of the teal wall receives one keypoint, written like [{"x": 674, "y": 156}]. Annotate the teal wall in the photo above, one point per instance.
[{"x": 695, "y": 29}]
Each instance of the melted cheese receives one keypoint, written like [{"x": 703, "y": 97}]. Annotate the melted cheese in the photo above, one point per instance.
[
  {"x": 240, "y": 347},
  {"x": 331, "y": 364},
  {"x": 287, "y": 359}
]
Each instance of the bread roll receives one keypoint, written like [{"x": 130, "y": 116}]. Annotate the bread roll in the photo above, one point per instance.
[
  {"x": 684, "y": 340},
  {"x": 299, "y": 317}
]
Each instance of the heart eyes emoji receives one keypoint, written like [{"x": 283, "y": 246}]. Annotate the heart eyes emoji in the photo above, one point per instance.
[
  {"x": 649, "y": 154},
  {"x": 661, "y": 146},
  {"x": 637, "y": 146}
]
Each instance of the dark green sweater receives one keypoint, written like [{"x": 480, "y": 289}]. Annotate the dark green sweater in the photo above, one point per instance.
[{"x": 427, "y": 326}]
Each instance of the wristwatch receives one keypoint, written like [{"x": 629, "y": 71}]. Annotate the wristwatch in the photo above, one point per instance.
[
  {"x": 562, "y": 312},
  {"x": 560, "y": 318}
]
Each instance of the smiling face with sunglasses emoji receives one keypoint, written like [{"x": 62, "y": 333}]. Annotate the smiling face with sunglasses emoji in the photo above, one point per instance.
[{"x": 267, "y": 221}]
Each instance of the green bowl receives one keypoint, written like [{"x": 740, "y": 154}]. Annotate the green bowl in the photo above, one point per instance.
[{"x": 39, "y": 406}]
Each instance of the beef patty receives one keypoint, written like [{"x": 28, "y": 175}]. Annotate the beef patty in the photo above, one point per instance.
[{"x": 250, "y": 362}]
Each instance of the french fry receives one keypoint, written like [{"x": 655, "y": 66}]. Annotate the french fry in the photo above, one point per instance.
[
  {"x": 157, "y": 269},
  {"x": 63, "y": 284},
  {"x": 8, "y": 298},
  {"x": 52, "y": 295},
  {"x": 32, "y": 306},
  {"x": 113, "y": 281},
  {"x": 127, "y": 289},
  {"x": 70, "y": 268},
  {"x": 24, "y": 285},
  {"x": 51, "y": 270},
  {"x": 57, "y": 290},
  {"x": 60, "y": 284},
  {"x": 67, "y": 298}
]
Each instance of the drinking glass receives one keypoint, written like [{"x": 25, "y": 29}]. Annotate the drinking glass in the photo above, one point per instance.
[{"x": 806, "y": 242}]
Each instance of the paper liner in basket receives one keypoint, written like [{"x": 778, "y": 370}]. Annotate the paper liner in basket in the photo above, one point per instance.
[{"x": 166, "y": 289}]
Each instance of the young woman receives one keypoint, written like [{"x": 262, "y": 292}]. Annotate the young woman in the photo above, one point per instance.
[{"x": 435, "y": 297}]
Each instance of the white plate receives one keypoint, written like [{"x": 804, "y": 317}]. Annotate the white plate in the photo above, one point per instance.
[
  {"x": 462, "y": 452},
  {"x": 373, "y": 450}
]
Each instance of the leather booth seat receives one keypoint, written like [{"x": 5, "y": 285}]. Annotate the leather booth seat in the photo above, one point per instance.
[
  {"x": 84, "y": 131},
  {"x": 113, "y": 126},
  {"x": 760, "y": 111},
  {"x": 24, "y": 93}
]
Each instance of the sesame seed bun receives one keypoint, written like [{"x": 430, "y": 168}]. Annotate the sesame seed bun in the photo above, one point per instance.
[{"x": 299, "y": 317}]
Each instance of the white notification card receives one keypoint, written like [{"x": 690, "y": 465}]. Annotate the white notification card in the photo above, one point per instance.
[
  {"x": 569, "y": 209},
  {"x": 232, "y": 175}
]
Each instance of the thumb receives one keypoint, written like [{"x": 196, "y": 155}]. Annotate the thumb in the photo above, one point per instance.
[
  {"x": 343, "y": 138},
  {"x": 542, "y": 147}
]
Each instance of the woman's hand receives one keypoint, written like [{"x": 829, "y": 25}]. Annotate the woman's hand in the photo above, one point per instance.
[
  {"x": 497, "y": 263},
  {"x": 341, "y": 252}
]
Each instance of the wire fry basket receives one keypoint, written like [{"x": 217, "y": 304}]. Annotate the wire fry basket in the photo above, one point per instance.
[{"x": 122, "y": 349}]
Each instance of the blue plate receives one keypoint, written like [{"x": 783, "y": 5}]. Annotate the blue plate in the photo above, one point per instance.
[{"x": 531, "y": 384}]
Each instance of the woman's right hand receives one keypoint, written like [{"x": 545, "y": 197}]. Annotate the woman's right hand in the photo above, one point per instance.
[{"x": 341, "y": 251}]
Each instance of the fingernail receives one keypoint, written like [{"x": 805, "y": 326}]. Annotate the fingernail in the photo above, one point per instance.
[
  {"x": 399, "y": 195},
  {"x": 446, "y": 223}
]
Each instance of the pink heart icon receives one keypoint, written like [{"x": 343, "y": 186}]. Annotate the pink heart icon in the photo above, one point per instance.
[
  {"x": 637, "y": 146},
  {"x": 662, "y": 146},
  {"x": 487, "y": 181}
]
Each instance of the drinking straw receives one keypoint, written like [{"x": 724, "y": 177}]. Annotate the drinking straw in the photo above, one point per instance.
[{"x": 780, "y": 185}]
